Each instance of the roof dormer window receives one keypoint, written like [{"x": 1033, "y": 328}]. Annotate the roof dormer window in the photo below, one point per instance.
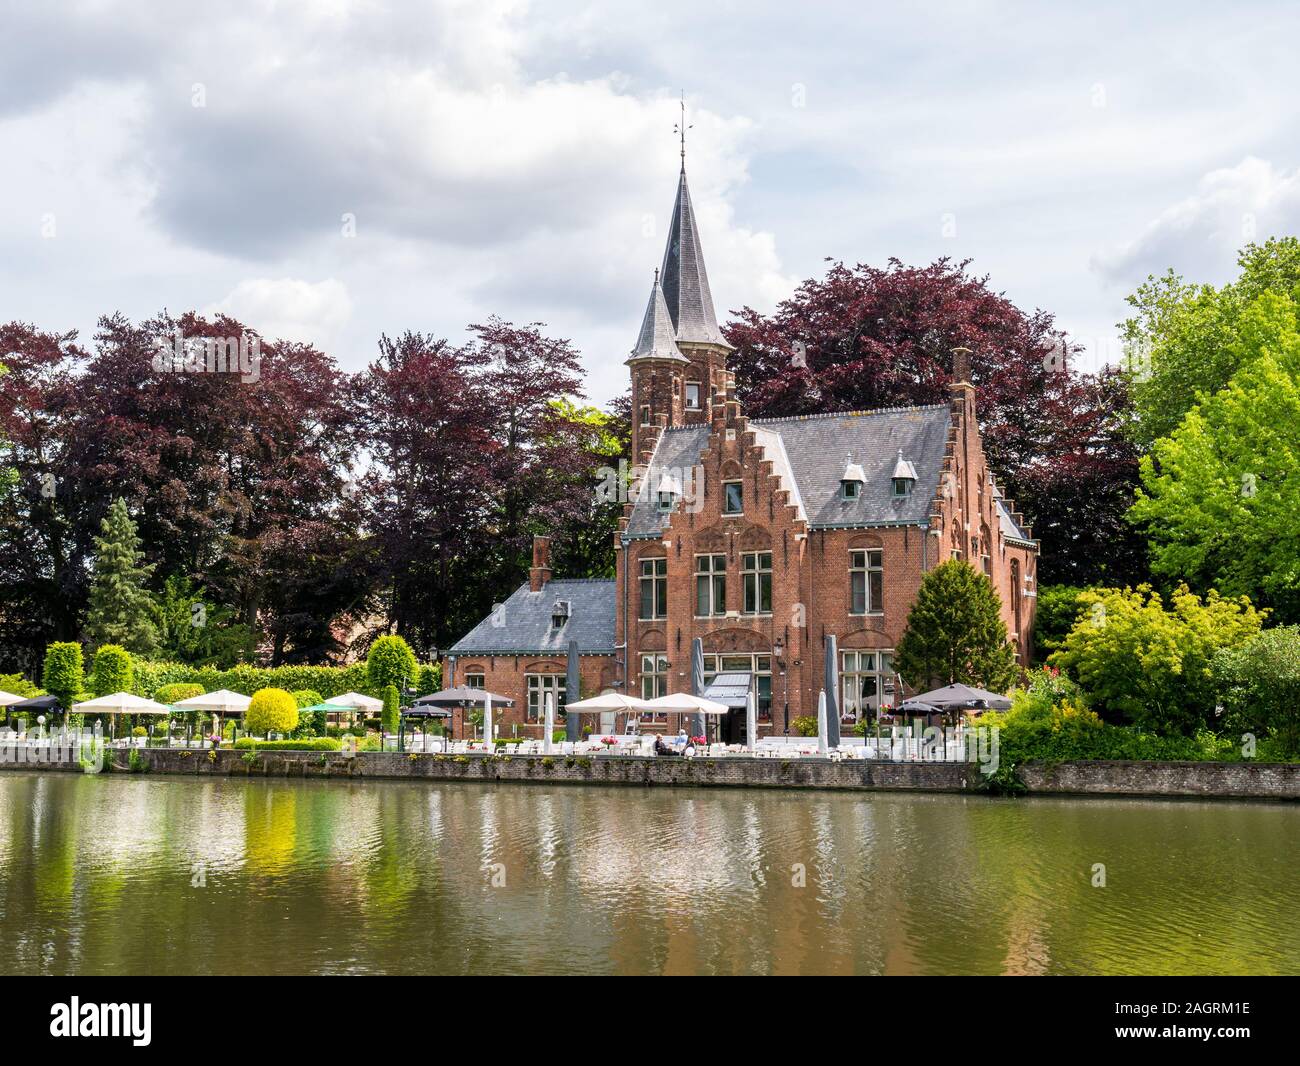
[
  {"x": 560, "y": 614},
  {"x": 904, "y": 476},
  {"x": 667, "y": 491},
  {"x": 852, "y": 480}
]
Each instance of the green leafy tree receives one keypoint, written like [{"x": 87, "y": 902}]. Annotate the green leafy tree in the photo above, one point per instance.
[
  {"x": 305, "y": 697},
  {"x": 64, "y": 672},
  {"x": 113, "y": 670},
  {"x": 272, "y": 710},
  {"x": 392, "y": 708},
  {"x": 121, "y": 609},
  {"x": 390, "y": 662},
  {"x": 955, "y": 632},
  {"x": 1148, "y": 664},
  {"x": 1260, "y": 687},
  {"x": 1055, "y": 613},
  {"x": 1184, "y": 340},
  {"x": 1221, "y": 494}
]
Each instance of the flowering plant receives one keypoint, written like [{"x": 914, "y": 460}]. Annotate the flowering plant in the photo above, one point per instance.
[
  {"x": 698, "y": 740},
  {"x": 607, "y": 741}
]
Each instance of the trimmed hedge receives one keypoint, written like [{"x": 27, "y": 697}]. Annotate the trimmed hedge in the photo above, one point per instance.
[
  {"x": 305, "y": 744},
  {"x": 177, "y": 692}
]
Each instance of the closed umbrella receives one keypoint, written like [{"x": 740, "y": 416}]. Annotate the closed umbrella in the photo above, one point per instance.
[
  {"x": 832, "y": 688},
  {"x": 487, "y": 720},
  {"x": 572, "y": 688},
  {"x": 550, "y": 723},
  {"x": 822, "y": 749},
  {"x": 751, "y": 721},
  {"x": 697, "y": 682}
]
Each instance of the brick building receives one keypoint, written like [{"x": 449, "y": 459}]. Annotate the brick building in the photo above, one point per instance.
[{"x": 761, "y": 537}]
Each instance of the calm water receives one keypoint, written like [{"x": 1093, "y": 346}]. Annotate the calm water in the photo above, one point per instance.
[{"x": 171, "y": 875}]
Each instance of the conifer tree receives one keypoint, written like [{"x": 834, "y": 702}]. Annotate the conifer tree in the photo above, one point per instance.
[
  {"x": 955, "y": 632},
  {"x": 121, "y": 609}
]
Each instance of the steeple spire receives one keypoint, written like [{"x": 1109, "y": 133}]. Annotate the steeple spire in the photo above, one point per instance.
[
  {"x": 684, "y": 280},
  {"x": 656, "y": 340}
]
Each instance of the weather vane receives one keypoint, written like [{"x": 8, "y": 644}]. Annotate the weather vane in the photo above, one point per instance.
[{"x": 681, "y": 128}]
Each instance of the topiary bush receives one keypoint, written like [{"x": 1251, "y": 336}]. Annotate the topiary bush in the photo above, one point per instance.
[
  {"x": 113, "y": 671},
  {"x": 392, "y": 708},
  {"x": 272, "y": 711},
  {"x": 64, "y": 673},
  {"x": 390, "y": 662}
]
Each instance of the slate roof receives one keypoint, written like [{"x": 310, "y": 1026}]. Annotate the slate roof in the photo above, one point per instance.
[
  {"x": 684, "y": 279},
  {"x": 1008, "y": 524},
  {"x": 657, "y": 340},
  {"x": 810, "y": 453},
  {"x": 523, "y": 624}
]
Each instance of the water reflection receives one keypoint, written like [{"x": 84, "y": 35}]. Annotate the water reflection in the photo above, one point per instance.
[{"x": 217, "y": 875}]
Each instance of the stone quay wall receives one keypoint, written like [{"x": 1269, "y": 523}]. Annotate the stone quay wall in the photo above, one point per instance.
[{"x": 1195, "y": 779}]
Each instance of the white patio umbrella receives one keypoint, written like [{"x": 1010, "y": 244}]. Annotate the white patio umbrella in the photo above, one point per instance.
[
  {"x": 610, "y": 701},
  {"x": 549, "y": 719},
  {"x": 121, "y": 703},
  {"x": 751, "y": 720},
  {"x": 6, "y": 698},
  {"x": 220, "y": 702},
  {"x": 685, "y": 703},
  {"x": 356, "y": 701},
  {"x": 822, "y": 749}
]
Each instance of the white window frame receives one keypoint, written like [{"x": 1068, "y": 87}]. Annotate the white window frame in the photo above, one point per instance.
[{"x": 862, "y": 567}]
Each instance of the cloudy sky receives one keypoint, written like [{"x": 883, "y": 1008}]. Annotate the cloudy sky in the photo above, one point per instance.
[{"x": 333, "y": 169}]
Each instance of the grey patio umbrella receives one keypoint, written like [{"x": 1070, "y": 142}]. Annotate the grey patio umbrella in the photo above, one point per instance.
[
  {"x": 954, "y": 697},
  {"x": 697, "y": 683},
  {"x": 460, "y": 696},
  {"x": 832, "y": 687},
  {"x": 573, "y": 691}
]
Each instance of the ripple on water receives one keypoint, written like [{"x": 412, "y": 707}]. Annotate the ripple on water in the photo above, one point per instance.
[{"x": 219, "y": 875}]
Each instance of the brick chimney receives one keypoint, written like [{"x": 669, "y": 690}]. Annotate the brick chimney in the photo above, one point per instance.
[
  {"x": 540, "y": 572},
  {"x": 960, "y": 367}
]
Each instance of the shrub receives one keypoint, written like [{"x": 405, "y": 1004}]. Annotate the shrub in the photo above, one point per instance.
[
  {"x": 113, "y": 670},
  {"x": 303, "y": 744},
  {"x": 390, "y": 662},
  {"x": 429, "y": 679},
  {"x": 272, "y": 710},
  {"x": 805, "y": 725},
  {"x": 392, "y": 705},
  {"x": 139, "y": 731},
  {"x": 64, "y": 672},
  {"x": 307, "y": 697},
  {"x": 1148, "y": 665},
  {"x": 1261, "y": 687},
  {"x": 176, "y": 691}
]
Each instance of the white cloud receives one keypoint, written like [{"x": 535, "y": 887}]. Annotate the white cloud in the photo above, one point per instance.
[
  {"x": 289, "y": 309},
  {"x": 1200, "y": 235}
]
